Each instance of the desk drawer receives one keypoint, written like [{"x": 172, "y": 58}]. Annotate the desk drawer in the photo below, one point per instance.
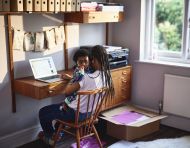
[
  {"x": 104, "y": 17},
  {"x": 122, "y": 84},
  {"x": 38, "y": 90}
]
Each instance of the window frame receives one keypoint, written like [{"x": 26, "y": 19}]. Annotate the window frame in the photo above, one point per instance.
[{"x": 147, "y": 51}]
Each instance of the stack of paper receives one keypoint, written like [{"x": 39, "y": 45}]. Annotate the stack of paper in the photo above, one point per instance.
[
  {"x": 129, "y": 117},
  {"x": 101, "y": 6},
  {"x": 89, "y": 6},
  {"x": 111, "y": 48}
]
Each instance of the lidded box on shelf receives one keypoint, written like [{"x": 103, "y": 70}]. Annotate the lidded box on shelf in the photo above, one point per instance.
[
  {"x": 17, "y": 5},
  {"x": 28, "y": 5},
  {"x": 71, "y": 5},
  {"x": 63, "y": 5},
  {"x": 50, "y": 5},
  {"x": 78, "y": 2},
  {"x": 6, "y": 5},
  {"x": 1, "y": 5},
  {"x": 37, "y": 5},
  {"x": 57, "y": 5},
  {"x": 44, "y": 5}
]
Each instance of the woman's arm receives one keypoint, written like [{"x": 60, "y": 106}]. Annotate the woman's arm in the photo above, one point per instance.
[{"x": 71, "y": 87}]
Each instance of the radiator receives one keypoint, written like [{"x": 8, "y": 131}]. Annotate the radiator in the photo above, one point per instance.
[{"x": 177, "y": 95}]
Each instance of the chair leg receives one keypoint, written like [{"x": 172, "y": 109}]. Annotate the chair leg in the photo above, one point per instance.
[
  {"x": 57, "y": 135},
  {"x": 97, "y": 137},
  {"x": 78, "y": 138}
]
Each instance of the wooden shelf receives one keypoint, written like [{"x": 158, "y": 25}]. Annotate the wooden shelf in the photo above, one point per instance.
[
  {"x": 32, "y": 12},
  {"x": 94, "y": 17}
]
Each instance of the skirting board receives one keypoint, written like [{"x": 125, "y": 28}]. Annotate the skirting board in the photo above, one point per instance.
[{"x": 19, "y": 138}]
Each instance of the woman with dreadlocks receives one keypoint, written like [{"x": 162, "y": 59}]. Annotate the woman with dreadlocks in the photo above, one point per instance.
[{"x": 101, "y": 77}]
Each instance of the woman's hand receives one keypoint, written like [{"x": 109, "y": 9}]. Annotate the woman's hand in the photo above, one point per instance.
[{"x": 66, "y": 76}]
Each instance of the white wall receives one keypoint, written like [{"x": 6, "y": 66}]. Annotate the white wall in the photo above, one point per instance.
[
  {"x": 26, "y": 115},
  {"x": 147, "y": 79},
  {"x": 27, "y": 108}
]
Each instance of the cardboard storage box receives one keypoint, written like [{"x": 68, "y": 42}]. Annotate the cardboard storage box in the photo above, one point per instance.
[
  {"x": 71, "y": 5},
  {"x": 78, "y": 5},
  {"x": 133, "y": 130},
  {"x": 17, "y": 5},
  {"x": 6, "y": 5},
  {"x": 57, "y": 5},
  {"x": 1, "y": 5},
  {"x": 37, "y": 5},
  {"x": 28, "y": 5},
  {"x": 63, "y": 5},
  {"x": 44, "y": 5},
  {"x": 51, "y": 5}
]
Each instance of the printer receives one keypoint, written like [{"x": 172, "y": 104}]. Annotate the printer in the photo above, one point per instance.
[{"x": 117, "y": 56}]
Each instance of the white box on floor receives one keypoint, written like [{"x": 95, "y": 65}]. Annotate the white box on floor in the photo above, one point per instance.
[
  {"x": 28, "y": 5},
  {"x": 44, "y": 5},
  {"x": 135, "y": 129}
]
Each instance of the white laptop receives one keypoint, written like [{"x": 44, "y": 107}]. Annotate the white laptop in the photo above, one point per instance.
[{"x": 44, "y": 70}]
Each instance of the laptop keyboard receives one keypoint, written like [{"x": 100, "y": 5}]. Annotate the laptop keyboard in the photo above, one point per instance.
[{"x": 50, "y": 77}]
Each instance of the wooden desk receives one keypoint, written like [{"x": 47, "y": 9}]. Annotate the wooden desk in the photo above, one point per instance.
[
  {"x": 40, "y": 90},
  {"x": 30, "y": 87}
]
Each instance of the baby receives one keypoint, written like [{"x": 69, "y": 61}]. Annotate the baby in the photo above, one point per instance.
[{"x": 81, "y": 58}]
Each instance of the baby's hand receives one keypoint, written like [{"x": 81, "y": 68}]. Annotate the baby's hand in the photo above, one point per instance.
[
  {"x": 81, "y": 69},
  {"x": 65, "y": 76}
]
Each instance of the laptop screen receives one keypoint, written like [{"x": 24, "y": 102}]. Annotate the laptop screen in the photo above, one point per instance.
[{"x": 43, "y": 67}]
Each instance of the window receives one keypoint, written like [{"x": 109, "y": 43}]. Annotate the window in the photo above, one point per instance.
[{"x": 164, "y": 30}]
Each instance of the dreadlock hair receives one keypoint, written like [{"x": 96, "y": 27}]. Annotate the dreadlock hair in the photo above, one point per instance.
[{"x": 99, "y": 52}]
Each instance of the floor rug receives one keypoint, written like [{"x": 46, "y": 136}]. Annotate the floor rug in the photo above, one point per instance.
[{"x": 183, "y": 142}]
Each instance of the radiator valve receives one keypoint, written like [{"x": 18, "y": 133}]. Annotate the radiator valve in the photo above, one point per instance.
[{"x": 160, "y": 107}]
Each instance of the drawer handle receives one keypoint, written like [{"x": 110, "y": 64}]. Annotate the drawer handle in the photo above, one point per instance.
[
  {"x": 124, "y": 72},
  {"x": 123, "y": 89},
  {"x": 124, "y": 97},
  {"x": 115, "y": 16},
  {"x": 92, "y": 17},
  {"x": 51, "y": 91},
  {"x": 124, "y": 81}
]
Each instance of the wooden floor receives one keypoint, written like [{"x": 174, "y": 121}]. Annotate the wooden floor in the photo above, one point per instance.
[{"x": 164, "y": 132}]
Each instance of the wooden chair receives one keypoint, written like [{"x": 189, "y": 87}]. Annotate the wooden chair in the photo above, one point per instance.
[{"x": 85, "y": 128}]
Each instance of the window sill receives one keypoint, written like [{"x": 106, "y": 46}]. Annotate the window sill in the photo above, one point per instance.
[{"x": 165, "y": 63}]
